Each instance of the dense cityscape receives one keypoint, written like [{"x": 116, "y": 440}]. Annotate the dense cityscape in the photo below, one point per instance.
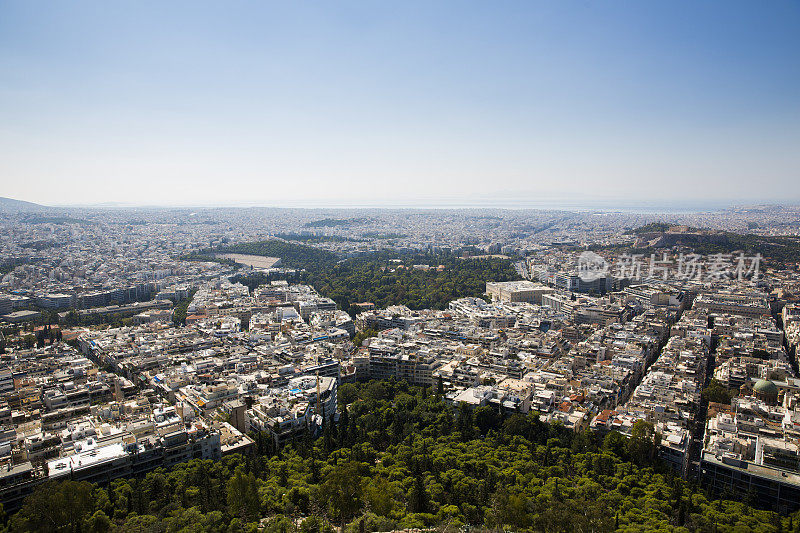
[
  {"x": 399, "y": 267},
  {"x": 139, "y": 341}
]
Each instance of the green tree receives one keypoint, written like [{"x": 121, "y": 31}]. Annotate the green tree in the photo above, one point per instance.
[
  {"x": 98, "y": 523},
  {"x": 360, "y": 336},
  {"x": 279, "y": 524},
  {"x": 616, "y": 443},
  {"x": 717, "y": 392},
  {"x": 61, "y": 506},
  {"x": 418, "y": 497},
  {"x": 315, "y": 524},
  {"x": 643, "y": 443},
  {"x": 486, "y": 419},
  {"x": 380, "y": 496},
  {"x": 242, "y": 496},
  {"x": 343, "y": 490},
  {"x": 347, "y": 394},
  {"x": 142, "y": 524}
]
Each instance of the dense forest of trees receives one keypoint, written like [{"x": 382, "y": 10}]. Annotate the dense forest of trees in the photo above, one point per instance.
[
  {"x": 653, "y": 227},
  {"x": 401, "y": 457},
  {"x": 777, "y": 251},
  {"x": 376, "y": 278}
]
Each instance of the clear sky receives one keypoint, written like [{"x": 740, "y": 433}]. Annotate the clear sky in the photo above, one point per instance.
[{"x": 399, "y": 103}]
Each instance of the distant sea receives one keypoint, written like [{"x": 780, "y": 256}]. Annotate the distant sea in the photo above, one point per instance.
[
  {"x": 521, "y": 202},
  {"x": 536, "y": 204}
]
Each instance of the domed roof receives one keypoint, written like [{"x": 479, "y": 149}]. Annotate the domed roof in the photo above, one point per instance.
[{"x": 764, "y": 386}]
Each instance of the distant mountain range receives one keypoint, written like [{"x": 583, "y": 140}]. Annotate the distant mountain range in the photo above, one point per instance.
[{"x": 11, "y": 205}]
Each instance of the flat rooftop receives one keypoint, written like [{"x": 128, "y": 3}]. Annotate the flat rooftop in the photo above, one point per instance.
[
  {"x": 85, "y": 459},
  {"x": 775, "y": 474}
]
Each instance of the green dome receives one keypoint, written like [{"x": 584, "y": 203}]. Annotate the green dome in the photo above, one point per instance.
[{"x": 765, "y": 386}]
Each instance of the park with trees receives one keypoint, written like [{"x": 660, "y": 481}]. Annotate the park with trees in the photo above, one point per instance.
[{"x": 383, "y": 278}]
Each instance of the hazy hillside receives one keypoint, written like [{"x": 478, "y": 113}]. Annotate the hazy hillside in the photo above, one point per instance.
[{"x": 11, "y": 205}]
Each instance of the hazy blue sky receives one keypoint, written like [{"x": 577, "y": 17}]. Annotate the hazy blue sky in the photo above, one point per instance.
[{"x": 399, "y": 102}]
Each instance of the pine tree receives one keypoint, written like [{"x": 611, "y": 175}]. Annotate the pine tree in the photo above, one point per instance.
[
  {"x": 419, "y": 496},
  {"x": 344, "y": 423},
  {"x": 242, "y": 496}
]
